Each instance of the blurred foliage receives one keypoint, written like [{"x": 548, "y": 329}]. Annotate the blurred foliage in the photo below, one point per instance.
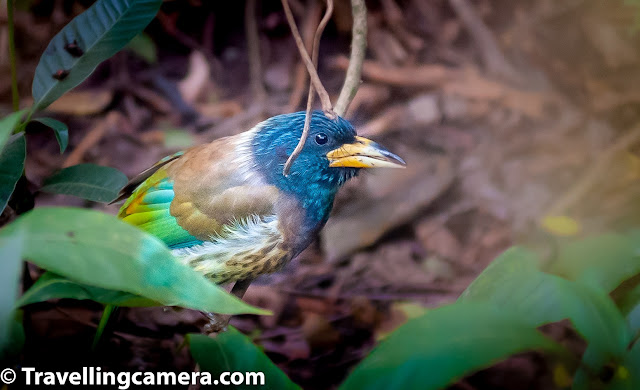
[
  {"x": 498, "y": 316},
  {"x": 51, "y": 286},
  {"x": 232, "y": 351},
  {"x": 10, "y": 253},
  {"x": 426, "y": 352},
  {"x": 90, "y": 255},
  {"x": 87, "y": 181},
  {"x": 90, "y": 38},
  {"x": 99, "y": 250},
  {"x": 12, "y": 160},
  {"x": 143, "y": 46},
  {"x": 103, "y": 258},
  {"x": 60, "y": 130}
]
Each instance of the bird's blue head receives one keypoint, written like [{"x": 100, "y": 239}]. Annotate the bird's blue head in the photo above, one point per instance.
[{"x": 332, "y": 154}]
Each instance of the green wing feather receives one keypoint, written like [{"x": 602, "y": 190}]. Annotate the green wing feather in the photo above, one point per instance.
[
  {"x": 148, "y": 206},
  {"x": 189, "y": 198}
]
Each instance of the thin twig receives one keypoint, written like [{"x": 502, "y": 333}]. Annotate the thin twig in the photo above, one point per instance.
[
  {"x": 358, "y": 51},
  {"x": 307, "y": 117},
  {"x": 15, "y": 97},
  {"x": 418, "y": 76},
  {"x": 253, "y": 47},
  {"x": 92, "y": 138},
  {"x": 311, "y": 20},
  {"x": 313, "y": 74}
]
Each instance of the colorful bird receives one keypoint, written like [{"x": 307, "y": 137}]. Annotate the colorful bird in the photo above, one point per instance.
[{"x": 226, "y": 208}]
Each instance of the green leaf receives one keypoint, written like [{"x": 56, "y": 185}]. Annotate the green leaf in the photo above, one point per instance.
[
  {"x": 627, "y": 375},
  {"x": 513, "y": 282},
  {"x": 630, "y": 308},
  {"x": 11, "y": 166},
  {"x": 52, "y": 286},
  {"x": 97, "y": 249},
  {"x": 143, "y": 46},
  {"x": 598, "y": 320},
  {"x": 7, "y": 124},
  {"x": 99, "y": 33},
  {"x": 444, "y": 345},
  {"x": 232, "y": 351},
  {"x": 87, "y": 181},
  {"x": 515, "y": 285},
  {"x": 604, "y": 261},
  {"x": 59, "y": 129},
  {"x": 11, "y": 247}
]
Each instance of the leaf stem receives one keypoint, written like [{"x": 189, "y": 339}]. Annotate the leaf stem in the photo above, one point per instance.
[
  {"x": 12, "y": 57},
  {"x": 106, "y": 314}
]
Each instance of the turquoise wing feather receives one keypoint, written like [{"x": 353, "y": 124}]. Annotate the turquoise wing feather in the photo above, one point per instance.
[
  {"x": 148, "y": 208},
  {"x": 196, "y": 196}
]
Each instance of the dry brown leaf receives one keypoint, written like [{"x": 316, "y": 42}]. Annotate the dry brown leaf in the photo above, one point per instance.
[{"x": 82, "y": 103}]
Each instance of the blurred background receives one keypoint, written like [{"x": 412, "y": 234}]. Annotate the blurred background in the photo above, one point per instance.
[{"x": 519, "y": 121}]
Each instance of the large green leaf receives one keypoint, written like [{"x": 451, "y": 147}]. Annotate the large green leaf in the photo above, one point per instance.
[
  {"x": 99, "y": 250},
  {"x": 444, "y": 345},
  {"x": 60, "y": 130},
  {"x": 52, "y": 286},
  {"x": 604, "y": 261},
  {"x": 514, "y": 284},
  {"x": 11, "y": 247},
  {"x": 88, "y": 181},
  {"x": 11, "y": 166},
  {"x": 627, "y": 375},
  {"x": 95, "y": 35},
  {"x": 598, "y": 320},
  {"x": 231, "y": 351},
  {"x": 7, "y": 124}
]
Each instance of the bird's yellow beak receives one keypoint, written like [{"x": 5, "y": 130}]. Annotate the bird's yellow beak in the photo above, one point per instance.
[{"x": 364, "y": 153}]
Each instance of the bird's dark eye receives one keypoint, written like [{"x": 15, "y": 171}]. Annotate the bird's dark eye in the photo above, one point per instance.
[{"x": 321, "y": 138}]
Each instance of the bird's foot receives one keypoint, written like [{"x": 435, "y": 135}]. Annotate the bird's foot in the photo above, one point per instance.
[{"x": 217, "y": 323}]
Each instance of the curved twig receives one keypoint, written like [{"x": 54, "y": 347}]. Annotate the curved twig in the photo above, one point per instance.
[
  {"x": 308, "y": 29},
  {"x": 327, "y": 107},
  {"x": 358, "y": 51},
  {"x": 310, "y": 98}
]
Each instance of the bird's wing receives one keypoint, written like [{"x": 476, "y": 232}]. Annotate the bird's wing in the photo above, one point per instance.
[
  {"x": 192, "y": 198},
  {"x": 134, "y": 183}
]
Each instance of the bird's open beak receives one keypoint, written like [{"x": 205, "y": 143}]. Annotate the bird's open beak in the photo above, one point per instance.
[{"x": 364, "y": 153}]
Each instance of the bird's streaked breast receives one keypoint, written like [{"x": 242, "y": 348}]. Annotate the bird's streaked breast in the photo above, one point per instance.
[{"x": 246, "y": 249}]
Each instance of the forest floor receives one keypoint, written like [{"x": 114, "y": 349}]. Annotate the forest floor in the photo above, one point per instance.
[{"x": 516, "y": 111}]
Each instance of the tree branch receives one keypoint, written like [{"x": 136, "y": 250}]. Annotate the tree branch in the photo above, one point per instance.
[{"x": 358, "y": 51}]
